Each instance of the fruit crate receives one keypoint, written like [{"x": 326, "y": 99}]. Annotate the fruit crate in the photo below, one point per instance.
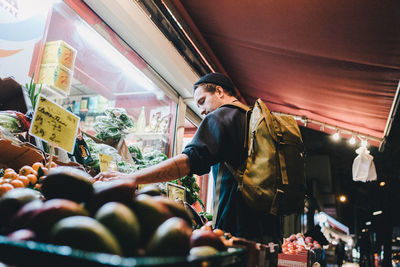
[{"x": 32, "y": 254}]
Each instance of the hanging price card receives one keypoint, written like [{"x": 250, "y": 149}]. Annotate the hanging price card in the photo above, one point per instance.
[
  {"x": 106, "y": 163},
  {"x": 54, "y": 124},
  {"x": 175, "y": 192}
]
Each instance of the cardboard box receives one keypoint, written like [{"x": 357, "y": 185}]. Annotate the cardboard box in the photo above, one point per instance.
[
  {"x": 297, "y": 260},
  {"x": 16, "y": 156},
  {"x": 59, "y": 52},
  {"x": 56, "y": 76}
]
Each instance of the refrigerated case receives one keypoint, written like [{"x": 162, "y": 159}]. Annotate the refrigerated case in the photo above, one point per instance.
[{"x": 108, "y": 74}]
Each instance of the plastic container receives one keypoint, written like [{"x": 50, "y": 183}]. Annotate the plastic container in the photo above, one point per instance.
[
  {"x": 59, "y": 52},
  {"x": 29, "y": 253}
]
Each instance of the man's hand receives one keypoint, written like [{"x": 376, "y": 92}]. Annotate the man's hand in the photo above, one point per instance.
[{"x": 111, "y": 175}]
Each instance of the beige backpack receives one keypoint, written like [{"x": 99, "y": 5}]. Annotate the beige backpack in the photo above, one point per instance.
[{"x": 272, "y": 178}]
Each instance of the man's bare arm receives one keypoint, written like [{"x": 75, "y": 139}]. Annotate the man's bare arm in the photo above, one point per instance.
[{"x": 171, "y": 169}]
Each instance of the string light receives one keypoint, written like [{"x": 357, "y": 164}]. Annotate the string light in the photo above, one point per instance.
[
  {"x": 340, "y": 132},
  {"x": 342, "y": 198},
  {"x": 336, "y": 136},
  {"x": 352, "y": 140}
]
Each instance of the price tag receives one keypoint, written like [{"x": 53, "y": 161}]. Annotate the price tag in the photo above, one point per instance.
[
  {"x": 106, "y": 163},
  {"x": 175, "y": 192},
  {"x": 54, "y": 124}
]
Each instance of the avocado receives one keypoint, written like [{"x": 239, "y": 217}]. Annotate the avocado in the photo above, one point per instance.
[
  {"x": 150, "y": 214},
  {"x": 68, "y": 183},
  {"x": 172, "y": 238},
  {"x": 22, "y": 218},
  {"x": 84, "y": 233},
  {"x": 112, "y": 191},
  {"x": 122, "y": 223},
  {"x": 12, "y": 201},
  {"x": 151, "y": 190},
  {"x": 176, "y": 209},
  {"x": 52, "y": 211},
  {"x": 203, "y": 237},
  {"x": 22, "y": 235}
]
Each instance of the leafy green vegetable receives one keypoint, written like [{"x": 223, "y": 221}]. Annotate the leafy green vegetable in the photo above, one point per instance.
[
  {"x": 32, "y": 91},
  {"x": 115, "y": 124},
  {"x": 192, "y": 189}
]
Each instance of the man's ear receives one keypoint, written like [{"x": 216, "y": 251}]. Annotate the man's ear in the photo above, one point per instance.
[{"x": 219, "y": 91}]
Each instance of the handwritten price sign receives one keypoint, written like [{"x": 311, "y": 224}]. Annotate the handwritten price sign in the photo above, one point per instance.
[
  {"x": 175, "y": 192},
  {"x": 54, "y": 124},
  {"x": 106, "y": 163}
]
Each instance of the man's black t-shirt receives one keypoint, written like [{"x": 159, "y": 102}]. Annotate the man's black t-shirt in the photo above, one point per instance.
[{"x": 220, "y": 138}]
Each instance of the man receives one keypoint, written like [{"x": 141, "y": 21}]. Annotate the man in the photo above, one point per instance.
[{"x": 220, "y": 138}]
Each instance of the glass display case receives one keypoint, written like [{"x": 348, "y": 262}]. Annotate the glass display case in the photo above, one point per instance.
[{"x": 104, "y": 76}]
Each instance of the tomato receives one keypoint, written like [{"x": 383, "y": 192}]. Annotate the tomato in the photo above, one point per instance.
[
  {"x": 23, "y": 179},
  {"x": 37, "y": 165}
]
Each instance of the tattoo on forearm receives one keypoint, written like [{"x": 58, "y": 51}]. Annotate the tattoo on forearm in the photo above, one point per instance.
[{"x": 177, "y": 168}]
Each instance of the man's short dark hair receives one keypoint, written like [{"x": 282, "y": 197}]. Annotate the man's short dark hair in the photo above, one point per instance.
[{"x": 211, "y": 80}]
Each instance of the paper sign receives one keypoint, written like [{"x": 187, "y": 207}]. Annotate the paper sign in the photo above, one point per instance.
[
  {"x": 175, "y": 192},
  {"x": 106, "y": 163},
  {"x": 54, "y": 124}
]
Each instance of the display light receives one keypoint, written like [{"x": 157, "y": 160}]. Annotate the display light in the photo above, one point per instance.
[
  {"x": 378, "y": 212},
  {"x": 352, "y": 140},
  {"x": 382, "y": 184},
  {"x": 336, "y": 136},
  {"x": 339, "y": 131},
  {"x": 342, "y": 198}
]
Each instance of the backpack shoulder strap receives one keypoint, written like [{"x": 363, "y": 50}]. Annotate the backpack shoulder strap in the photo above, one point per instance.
[
  {"x": 239, "y": 105},
  {"x": 248, "y": 109}
]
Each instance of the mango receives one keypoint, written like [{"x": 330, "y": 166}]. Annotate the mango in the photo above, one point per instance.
[
  {"x": 24, "y": 215},
  {"x": 202, "y": 237},
  {"x": 85, "y": 233},
  {"x": 68, "y": 183},
  {"x": 172, "y": 238},
  {"x": 122, "y": 223},
  {"x": 176, "y": 209},
  {"x": 12, "y": 201},
  {"x": 52, "y": 211},
  {"x": 113, "y": 191},
  {"x": 150, "y": 214}
]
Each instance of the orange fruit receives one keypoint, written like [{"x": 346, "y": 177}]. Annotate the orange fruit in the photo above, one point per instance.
[
  {"x": 2, "y": 190},
  {"x": 38, "y": 186},
  {"x": 32, "y": 178},
  {"x": 219, "y": 232},
  {"x": 53, "y": 164},
  {"x": 24, "y": 179},
  {"x": 37, "y": 165},
  {"x": 45, "y": 170},
  {"x": 17, "y": 183},
  {"x": 11, "y": 175},
  {"x": 27, "y": 170},
  {"x": 7, "y": 186},
  {"x": 8, "y": 170}
]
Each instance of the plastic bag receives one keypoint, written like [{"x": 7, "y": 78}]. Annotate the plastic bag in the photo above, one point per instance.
[{"x": 363, "y": 166}]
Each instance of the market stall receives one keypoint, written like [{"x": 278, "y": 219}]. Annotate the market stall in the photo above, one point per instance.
[{"x": 89, "y": 103}]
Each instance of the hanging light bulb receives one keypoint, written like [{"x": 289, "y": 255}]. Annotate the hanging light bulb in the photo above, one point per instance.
[
  {"x": 352, "y": 140},
  {"x": 336, "y": 136}
]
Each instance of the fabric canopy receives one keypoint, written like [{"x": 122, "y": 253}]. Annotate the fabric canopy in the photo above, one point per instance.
[{"x": 335, "y": 62}]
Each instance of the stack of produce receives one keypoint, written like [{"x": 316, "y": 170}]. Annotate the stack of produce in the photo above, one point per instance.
[
  {"x": 27, "y": 176},
  {"x": 114, "y": 125},
  {"x": 298, "y": 243},
  {"x": 111, "y": 217}
]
